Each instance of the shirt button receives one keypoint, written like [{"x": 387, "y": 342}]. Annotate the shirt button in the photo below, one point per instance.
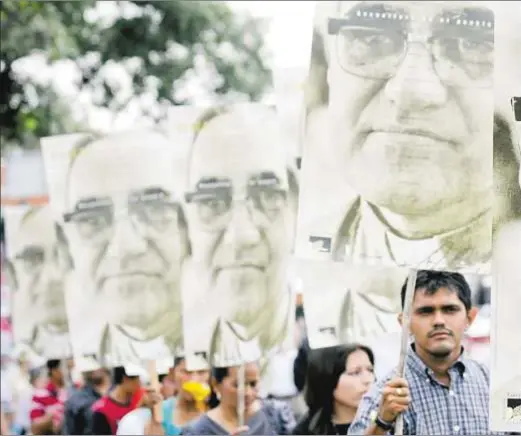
[
  {"x": 451, "y": 393},
  {"x": 456, "y": 428}
]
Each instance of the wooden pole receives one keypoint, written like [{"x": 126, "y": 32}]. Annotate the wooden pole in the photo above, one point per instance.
[
  {"x": 404, "y": 347},
  {"x": 154, "y": 383}
]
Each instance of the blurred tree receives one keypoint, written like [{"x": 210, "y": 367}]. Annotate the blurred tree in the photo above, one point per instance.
[{"x": 163, "y": 47}]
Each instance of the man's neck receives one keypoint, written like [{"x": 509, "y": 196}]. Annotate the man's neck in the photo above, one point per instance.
[
  {"x": 444, "y": 220},
  {"x": 343, "y": 414},
  {"x": 186, "y": 406},
  {"x": 119, "y": 395},
  {"x": 58, "y": 384},
  {"x": 185, "y": 411},
  {"x": 229, "y": 414},
  {"x": 439, "y": 366},
  {"x": 101, "y": 389}
]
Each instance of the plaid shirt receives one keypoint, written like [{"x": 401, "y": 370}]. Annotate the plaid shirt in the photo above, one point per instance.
[{"x": 435, "y": 409}]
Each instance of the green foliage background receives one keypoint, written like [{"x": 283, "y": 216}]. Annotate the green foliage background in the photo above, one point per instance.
[{"x": 159, "y": 44}]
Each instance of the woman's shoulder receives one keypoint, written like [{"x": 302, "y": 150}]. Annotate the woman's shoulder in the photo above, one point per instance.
[{"x": 201, "y": 426}]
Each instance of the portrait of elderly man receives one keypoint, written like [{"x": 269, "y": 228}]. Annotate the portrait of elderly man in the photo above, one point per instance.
[
  {"x": 403, "y": 95},
  {"x": 506, "y": 325},
  {"x": 125, "y": 235},
  {"x": 34, "y": 272},
  {"x": 241, "y": 206}
]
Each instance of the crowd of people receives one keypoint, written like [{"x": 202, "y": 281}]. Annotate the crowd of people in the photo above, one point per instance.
[{"x": 441, "y": 392}]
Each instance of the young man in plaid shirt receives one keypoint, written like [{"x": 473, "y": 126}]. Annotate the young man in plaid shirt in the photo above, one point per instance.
[{"x": 442, "y": 391}]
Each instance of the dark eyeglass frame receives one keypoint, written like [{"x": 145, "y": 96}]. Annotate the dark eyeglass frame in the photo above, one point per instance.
[
  {"x": 335, "y": 25},
  {"x": 223, "y": 190}
]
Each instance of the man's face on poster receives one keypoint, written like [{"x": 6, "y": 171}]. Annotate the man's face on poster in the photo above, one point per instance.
[
  {"x": 38, "y": 276},
  {"x": 411, "y": 102},
  {"x": 124, "y": 228},
  {"x": 241, "y": 212}
]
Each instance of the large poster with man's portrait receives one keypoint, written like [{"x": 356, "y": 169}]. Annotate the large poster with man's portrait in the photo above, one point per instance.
[
  {"x": 36, "y": 277},
  {"x": 241, "y": 196},
  {"x": 398, "y": 135},
  {"x": 505, "y": 412},
  {"x": 124, "y": 238}
]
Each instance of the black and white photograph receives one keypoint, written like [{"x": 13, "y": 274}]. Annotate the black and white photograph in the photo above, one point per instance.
[
  {"x": 402, "y": 124},
  {"x": 241, "y": 201},
  {"x": 36, "y": 278},
  {"x": 124, "y": 238},
  {"x": 506, "y": 323}
]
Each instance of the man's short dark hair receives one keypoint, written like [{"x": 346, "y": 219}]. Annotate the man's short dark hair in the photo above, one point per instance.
[
  {"x": 52, "y": 364},
  {"x": 119, "y": 374},
  {"x": 431, "y": 282}
]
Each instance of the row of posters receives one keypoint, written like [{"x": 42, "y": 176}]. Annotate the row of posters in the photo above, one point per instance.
[{"x": 192, "y": 237}]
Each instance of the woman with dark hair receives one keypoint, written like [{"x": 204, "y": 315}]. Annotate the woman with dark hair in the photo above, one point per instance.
[
  {"x": 337, "y": 378},
  {"x": 266, "y": 417}
]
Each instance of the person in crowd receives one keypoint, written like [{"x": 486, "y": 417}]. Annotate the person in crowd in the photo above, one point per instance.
[
  {"x": 6, "y": 393},
  {"x": 168, "y": 389},
  {"x": 177, "y": 410},
  {"x": 442, "y": 392},
  {"x": 47, "y": 402},
  {"x": 337, "y": 378},
  {"x": 78, "y": 408},
  {"x": 27, "y": 383},
  {"x": 260, "y": 416},
  {"x": 300, "y": 365},
  {"x": 124, "y": 397},
  {"x": 23, "y": 379},
  {"x": 4, "y": 424}
]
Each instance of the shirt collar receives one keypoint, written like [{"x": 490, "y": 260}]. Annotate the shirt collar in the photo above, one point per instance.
[{"x": 416, "y": 364}]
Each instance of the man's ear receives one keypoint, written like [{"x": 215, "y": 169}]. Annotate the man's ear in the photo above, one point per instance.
[
  {"x": 67, "y": 263},
  {"x": 471, "y": 315},
  {"x": 10, "y": 275},
  {"x": 400, "y": 318}
]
